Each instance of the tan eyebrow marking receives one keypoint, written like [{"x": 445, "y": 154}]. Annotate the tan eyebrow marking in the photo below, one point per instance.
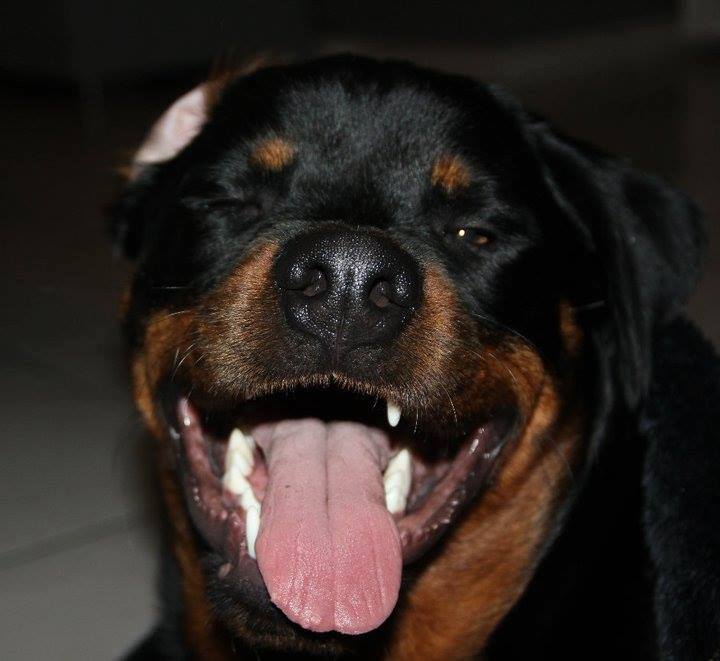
[
  {"x": 273, "y": 154},
  {"x": 450, "y": 172}
]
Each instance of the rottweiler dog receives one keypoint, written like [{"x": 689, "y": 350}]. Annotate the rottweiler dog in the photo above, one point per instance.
[{"x": 418, "y": 378}]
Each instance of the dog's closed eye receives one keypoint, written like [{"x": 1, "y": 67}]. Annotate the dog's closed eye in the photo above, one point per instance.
[{"x": 247, "y": 208}]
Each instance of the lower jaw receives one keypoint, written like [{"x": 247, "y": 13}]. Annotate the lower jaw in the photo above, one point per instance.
[{"x": 421, "y": 529}]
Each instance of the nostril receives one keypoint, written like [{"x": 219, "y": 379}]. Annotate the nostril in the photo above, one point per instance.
[
  {"x": 317, "y": 283},
  {"x": 380, "y": 294}
]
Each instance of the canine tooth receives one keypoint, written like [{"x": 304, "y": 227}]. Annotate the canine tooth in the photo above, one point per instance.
[
  {"x": 393, "y": 414},
  {"x": 240, "y": 452},
  {"x": 235, "y": 481},
  {"x": 394, "y": 501},
  {"x": 239, "y": 463},
  {"x": 400, "y": 463},
  {"x": 252, "y": 525},
  {"x": 394, "y": 481},
  {"x": 397, "y": 480},
  {"x": 248, "y": 500}
]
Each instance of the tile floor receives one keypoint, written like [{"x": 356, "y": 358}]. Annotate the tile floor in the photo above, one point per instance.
[{"x": 77, "y": 547}]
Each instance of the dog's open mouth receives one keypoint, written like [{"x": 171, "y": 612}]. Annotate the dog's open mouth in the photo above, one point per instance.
[{"x": 324, "y": 494}]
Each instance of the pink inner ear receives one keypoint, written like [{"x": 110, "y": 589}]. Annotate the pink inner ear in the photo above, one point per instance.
[{"x": 177, "y": 126}]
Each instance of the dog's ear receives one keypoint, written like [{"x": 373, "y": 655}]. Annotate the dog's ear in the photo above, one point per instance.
[
  {"x": 174, "y": 130},
  {"x": 170, "y": 134},
  {"x": 637, "y": 242}
]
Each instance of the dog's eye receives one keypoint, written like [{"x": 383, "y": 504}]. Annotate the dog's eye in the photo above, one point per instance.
[
  {"x": 223, "y": 203},
  {"x": 229, "y": 204},
  {"x": 470, "y": 235}
]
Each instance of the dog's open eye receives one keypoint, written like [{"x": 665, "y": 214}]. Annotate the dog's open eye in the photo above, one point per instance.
[{"x": 470, "y": 235}]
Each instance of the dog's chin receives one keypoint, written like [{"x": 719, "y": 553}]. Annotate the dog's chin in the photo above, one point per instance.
[{"x": 416, "y": 476}]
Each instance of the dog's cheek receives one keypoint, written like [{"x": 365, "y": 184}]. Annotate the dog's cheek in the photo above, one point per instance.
[
  {"x": 428, "y": 349},
  {"x": 460, "y": 368},
  {"x": 442, "y": 351},
  {"x": 240, "y": 329},
  {"x": 166, "y": 342},
  {"x": 492, "y": 554},
  {"x": 172, "y": 344},
  {"x": 211, "y": 342}
]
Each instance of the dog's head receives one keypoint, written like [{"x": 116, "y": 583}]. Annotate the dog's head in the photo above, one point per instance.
[{"x": 376, "y": 316}]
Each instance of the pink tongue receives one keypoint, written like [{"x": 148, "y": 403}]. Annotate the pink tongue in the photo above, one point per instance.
[{"x": 328, "y": 549}]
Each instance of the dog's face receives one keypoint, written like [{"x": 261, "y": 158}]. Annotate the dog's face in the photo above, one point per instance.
[{"x": 375, "y": 314}]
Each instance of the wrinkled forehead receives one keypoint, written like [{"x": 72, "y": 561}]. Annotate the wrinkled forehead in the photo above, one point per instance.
[
  {"x": 395, "y": 127},
  {"x": 341, "y": 129},
  {"x": 348, "y": 149}
]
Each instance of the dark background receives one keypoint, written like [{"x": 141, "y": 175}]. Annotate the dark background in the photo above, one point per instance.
[{"x": 81, "y": 81}]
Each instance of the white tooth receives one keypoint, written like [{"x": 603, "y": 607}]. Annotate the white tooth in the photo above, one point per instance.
[
  {"x": 400, "y": 463},
  {"x": 238, "y": 465},
  {"x": 394, "y": 481},
  {"x": 394, "y": 501},
  {"x": 252, "y": 525},
  {"x": 235, "y": 481},
  {"x": 397, "y": 480},
  {"x": 248, "y": 500},
  {"x": 393, "y": 414},
  {"x": 240, "y": 452}
]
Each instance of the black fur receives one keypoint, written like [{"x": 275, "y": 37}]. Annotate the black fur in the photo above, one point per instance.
[
  {"x": 682, "y": 492},
  {"x": 634, "y": 572}
]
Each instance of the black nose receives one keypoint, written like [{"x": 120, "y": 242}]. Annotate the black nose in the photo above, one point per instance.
[{"x": 348, "y": 288}]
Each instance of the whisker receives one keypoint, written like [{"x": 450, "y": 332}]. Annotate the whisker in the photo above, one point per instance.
[
  {"x": 170, "y": 287},
  {"x": 589, "y": 306},
  {"x": 182, "y": 360},
  {"x": 175, "y": 359},
  {"x": 452, "y": 405},
  {"x": 477, "y": 354},
  {"x": 500, "y": 326},
  {"x": 506, "y": 367}
]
